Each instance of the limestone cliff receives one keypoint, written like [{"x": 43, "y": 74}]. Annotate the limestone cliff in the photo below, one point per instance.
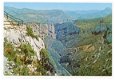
[
  {"x": 24, "y": 51},
  {"x": 17, "y": 35}
]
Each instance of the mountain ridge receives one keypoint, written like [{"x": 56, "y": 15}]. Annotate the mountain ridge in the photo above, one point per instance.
[{"x": 55, "y": 15}]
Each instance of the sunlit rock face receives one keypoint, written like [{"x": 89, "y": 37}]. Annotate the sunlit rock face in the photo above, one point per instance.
[
  {"x": 44, "y": 30},
  {"x": 18, "y": 36}
]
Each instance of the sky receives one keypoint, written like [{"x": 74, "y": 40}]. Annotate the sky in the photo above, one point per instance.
[{"x": 61, "y": 6}]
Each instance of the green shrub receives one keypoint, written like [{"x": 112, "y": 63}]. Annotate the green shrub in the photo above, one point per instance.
[
  {"x": 27, "y": 49},
  {"x": 31, "y": 33},
  {"x": 9, "y": 51},
  {"x": 46, "y": 60},
  {"x": 44, "y": 53}
]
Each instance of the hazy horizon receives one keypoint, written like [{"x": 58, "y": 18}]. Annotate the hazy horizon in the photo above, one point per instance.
[{"x": 59, "y": 6}]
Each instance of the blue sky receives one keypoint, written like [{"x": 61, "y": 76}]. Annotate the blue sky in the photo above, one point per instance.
[{"x": 61, "y": 6}]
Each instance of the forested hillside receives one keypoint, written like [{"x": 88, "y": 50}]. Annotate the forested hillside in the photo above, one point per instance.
[{"x": 95, "y": 47}]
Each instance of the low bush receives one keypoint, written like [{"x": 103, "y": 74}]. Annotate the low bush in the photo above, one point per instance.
[{"x": 31, "y": 33}]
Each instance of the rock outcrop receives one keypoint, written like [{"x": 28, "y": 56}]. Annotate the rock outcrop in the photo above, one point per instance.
[
  {"x": 18, "y": 35},
  {"x": 23, "y": 50}
]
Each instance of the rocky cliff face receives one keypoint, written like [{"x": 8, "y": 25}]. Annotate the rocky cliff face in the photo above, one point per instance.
[
  {"x": 44, "y": 30},
  {"x": 24, "y": 52},
  {"x": 17, "y": 35}
]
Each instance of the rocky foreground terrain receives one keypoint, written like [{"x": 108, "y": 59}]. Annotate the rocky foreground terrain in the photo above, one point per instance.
[{"x": 24, "y": 52}]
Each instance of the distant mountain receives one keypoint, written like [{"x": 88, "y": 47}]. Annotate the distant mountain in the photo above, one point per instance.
[
  {"x": 54, "y": 16},
  {"x": 89, "y": 14},
  {"x": 41, "y": 16}
]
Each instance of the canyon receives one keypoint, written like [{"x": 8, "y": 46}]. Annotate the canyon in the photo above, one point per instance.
[{"x": 63, "y": 47}]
